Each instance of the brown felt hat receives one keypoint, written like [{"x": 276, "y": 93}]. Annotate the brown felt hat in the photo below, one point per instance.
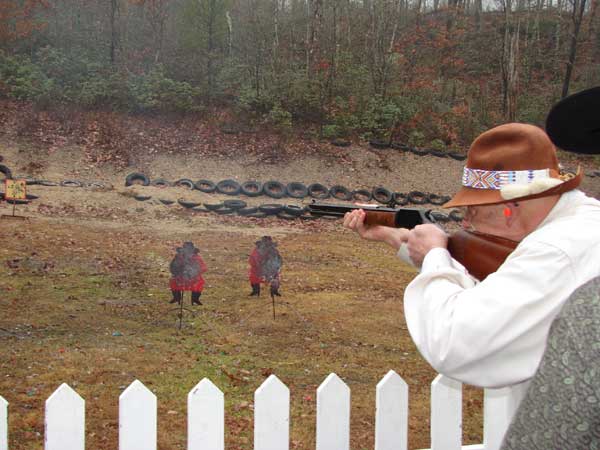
[{"x": 512, "y": 162}]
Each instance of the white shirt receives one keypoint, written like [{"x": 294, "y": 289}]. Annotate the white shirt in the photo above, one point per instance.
[{"x": 493, "y": 333}]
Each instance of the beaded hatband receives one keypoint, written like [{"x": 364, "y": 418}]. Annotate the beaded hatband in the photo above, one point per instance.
[{"x": 496, "y": 179}]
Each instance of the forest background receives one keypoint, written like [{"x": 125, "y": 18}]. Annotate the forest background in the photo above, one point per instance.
[{"x": 422, "y": 72}]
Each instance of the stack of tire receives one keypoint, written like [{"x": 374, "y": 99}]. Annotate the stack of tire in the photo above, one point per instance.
[{"x": 278, "y": 190}]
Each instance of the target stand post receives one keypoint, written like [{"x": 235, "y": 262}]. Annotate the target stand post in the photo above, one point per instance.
[{"x": 181, "y": 308}]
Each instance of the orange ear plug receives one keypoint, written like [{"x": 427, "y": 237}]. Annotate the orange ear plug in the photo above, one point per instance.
[{"x": 507, "y": 211}]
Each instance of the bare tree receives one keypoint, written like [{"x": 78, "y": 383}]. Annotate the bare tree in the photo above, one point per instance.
[
  {"x": 510, "y": 68},
  {"x": 576, "y": 19}
]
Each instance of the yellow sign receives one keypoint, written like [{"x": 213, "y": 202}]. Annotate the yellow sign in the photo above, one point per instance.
[{"x": 15, "y": 190}]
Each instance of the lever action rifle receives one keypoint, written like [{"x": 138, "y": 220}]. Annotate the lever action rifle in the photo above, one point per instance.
[{"x": 481, "y": 254}]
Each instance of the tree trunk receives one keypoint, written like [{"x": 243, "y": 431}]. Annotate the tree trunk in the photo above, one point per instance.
[
  {"x": 113, "y": 29},
  {"x": 576, "y": 17}
]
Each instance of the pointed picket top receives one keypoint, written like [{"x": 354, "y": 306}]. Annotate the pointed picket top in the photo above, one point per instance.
[
  {"x": 272, "y": 415},
  {"x": 206, "y": 417},
  {"x": 3, "y": 424},
  {"x": 65, "y": 420},
  {"x": 333, "y": 414},
  {"x": 498, "y": 408},
  {"x": 446, "y": 414},
  {"x": 391, "y": 417},
  {"x": 137, "y": 418}
]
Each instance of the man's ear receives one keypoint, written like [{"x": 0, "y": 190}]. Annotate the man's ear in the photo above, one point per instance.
[{"x": 511, "y": 212}]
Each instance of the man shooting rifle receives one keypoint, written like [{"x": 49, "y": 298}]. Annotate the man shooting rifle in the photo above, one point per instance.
[{"x": 492, "y": 333}]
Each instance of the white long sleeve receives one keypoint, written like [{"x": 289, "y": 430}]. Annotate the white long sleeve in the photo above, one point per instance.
[{"x": 493, "y": 333}]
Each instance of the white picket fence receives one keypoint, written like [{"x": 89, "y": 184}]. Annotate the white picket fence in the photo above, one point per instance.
[{"x": 65, "y": 417}]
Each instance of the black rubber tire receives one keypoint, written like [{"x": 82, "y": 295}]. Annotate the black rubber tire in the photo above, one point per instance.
[
  {"x": 362, "y": 195},
  {"x": 270, "y": 209},
  {"x": 439, "y": 217},
  {"x": 382, "y": 195},
  {"x": 29, "y": 180},
  {"x": 206, "y": 186},
  {"x": 6, "y": 171},
  {"x": 417, "y": 197},
  {"x": 257, "y": 215},
  {"x": 456, "y": 215},
  {"x": 400, "y": 198},
  {"x": 458, "y": 156},
  {"x": 318, "y": 191},
  {"x": 296, "y": 189},
  {"x": 47, "y": 183},
  {"x": 235, "y": 204},
  {"x": 294, "y": 210},
  {"x": 187, "y": 204},
  {"x": 252, "y": 188},
  {"x": 247, "y": 211},
  {"x": 213, "y": 206},
  {"x": 166, "y": 201},
  {"x": 378, "y": 143},
  {"x": 400, "y": 146},
  {"x": 436, "y": 199},
  {"x": 224, "y": 211},
  {"x": 71, "y": 183},
  {"x": 274, "y": 189},
  {"x": 161, "y": 183},
  {"x": 340, "y": 193},
  {"x": 228, "y": 187},
  {"x": 286, "y": 216},
  {"x": 438, "y": 153},
  {"x": 419, "y": 151},
  {"x": 97, "y": 185},
  {"x": 340, "y": 143},
  {"x": 185, "y": 182},
  {"x": 136, "y": 176},
  {"x": 17, "y": 202},
  {"x": 142, "y": 198}
]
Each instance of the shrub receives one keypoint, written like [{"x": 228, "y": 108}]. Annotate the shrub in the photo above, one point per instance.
[
  {"x": 155, "y": 91},
  {"x": 280, "y": 118},
  {"x": 23, "y": 80},
  {"x": 437, "y": 144},
  {"x": 416, "y": 139}
]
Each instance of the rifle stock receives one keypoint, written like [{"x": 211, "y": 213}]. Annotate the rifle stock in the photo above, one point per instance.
[{"x": 481, "y": 254}]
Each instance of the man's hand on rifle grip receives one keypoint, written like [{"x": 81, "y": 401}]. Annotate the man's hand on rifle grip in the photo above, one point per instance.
[
  {"x": 424, "y": 238},
  {"x": 394, "y": 237}
]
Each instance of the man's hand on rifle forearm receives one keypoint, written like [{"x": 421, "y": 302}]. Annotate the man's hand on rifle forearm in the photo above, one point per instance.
[
  {"x": 354, "y": 221},
  {"x": 424, "y": 238}
]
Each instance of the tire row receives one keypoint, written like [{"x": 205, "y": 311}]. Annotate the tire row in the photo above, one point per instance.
[
  {"x": 459, "y": 156},
  {"x": 282, "y": 211},
  {"x": 278, "y": 190}
]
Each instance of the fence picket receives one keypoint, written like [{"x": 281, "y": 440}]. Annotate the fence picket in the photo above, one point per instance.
[
  {"x": 272, "y": 415},
  {"x": 498, "y": 409},
  {"x": 446, "y": 414},
  {"x": 65, "y": 416},
  {"x": 65, "y": 420},
  {"x": 3, "y": 424},
  {"x": 391, "y": 418},
  {"x": 206, "y": 417},
  {"x": 137, "y": 418},
  {"x": 333, "y": 414}
]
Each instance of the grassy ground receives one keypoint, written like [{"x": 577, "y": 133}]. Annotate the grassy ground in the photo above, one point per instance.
[{"x": 85, "y": 302}]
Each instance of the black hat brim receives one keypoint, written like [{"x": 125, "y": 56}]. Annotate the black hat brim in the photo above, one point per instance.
[{"x": 573, "y": 124}]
